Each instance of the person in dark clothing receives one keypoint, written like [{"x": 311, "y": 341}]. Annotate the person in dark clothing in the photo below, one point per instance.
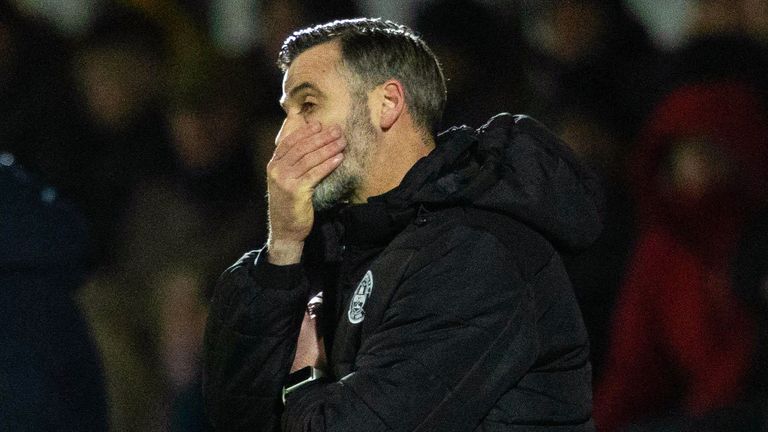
[
  {"x": 37, "y": 123},
  {"x": 721, "y": 44},
  {"x": 123, "y": 136},
  {"x": 50, "y": 374},
  {"x": 465, "y": 34},
  {"x": 409, "y": 282}
]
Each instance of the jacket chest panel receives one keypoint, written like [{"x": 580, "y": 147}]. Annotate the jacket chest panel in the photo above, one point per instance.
[{"x": 364, "y": 295}]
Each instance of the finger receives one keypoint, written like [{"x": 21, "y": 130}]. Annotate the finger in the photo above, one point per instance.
[
  {"x": 282, "y": 171},
  {"x": 302, "y": 133},
  {"x": 295, "y": 153},
  {"x": 319, "y": 172},
  {"x": 317, "y": 157}
]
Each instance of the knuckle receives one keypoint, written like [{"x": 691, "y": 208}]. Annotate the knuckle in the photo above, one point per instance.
[
  {"x": 273, "y": 173},
  {"x": 330, "y": 150}
]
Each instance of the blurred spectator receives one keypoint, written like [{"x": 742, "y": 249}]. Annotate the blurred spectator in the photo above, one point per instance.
[
  {"x": 124, "y": 137},
  {"x": 279, "y": 18},
  {"x": 592, "y": 67},
  {"x": 51, "y": 376},
  {"x": 149, "y": 329},
  {"x": 182, "y": 313},
  {"x": 36, "y": 120},
  {"x": 481, "y": 57},
  {"x": 177, "y": 233},
  {"x": 723, "y": 43},
  {"x": 591, "y": 59},
  {"x": 751, "y": 281},
  {"x": 597, "y": 272},
  {"x": 682, "y": 341},
  {"x": 117, "y": 307},
  {"x": 210, "y": 208},
  {"x": 750, "y": 273}
]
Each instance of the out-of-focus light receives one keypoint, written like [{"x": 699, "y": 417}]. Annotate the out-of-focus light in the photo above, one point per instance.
[
  {"x": 48, "y": 195},
  {"x": 666, "y": 21},
  {"x": 234, "y": 25},
  {"x": 70, "y": 17},
  {"x": 7, "y": 159}
]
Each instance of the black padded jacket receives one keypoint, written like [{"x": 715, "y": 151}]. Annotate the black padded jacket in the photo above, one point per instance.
[{"x": 447, "y": 307}]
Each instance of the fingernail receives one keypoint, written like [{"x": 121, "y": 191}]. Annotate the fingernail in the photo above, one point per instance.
[
  {"x": 316, "y": 126},
  {"x": 336, "y": 132}
]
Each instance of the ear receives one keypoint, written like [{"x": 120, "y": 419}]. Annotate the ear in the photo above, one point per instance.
[{"x": 392, "y": 103}]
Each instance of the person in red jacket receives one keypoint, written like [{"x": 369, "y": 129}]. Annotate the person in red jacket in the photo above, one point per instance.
[{"x": 682, "y": 342}]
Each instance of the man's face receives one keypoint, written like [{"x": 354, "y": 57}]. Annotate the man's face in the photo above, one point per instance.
[{"x": 314, "y": 89}]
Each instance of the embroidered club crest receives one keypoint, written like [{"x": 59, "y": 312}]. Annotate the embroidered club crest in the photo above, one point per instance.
[{"x": 356, "y": 314}]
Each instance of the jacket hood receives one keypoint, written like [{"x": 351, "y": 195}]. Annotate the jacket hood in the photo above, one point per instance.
[{"x": 512, "y": 166}]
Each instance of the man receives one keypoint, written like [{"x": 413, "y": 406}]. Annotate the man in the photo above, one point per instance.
[{"x": 409, "y": 282}]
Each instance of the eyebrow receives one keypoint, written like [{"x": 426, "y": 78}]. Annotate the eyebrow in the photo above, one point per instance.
[{"x": 306, "y": 85}]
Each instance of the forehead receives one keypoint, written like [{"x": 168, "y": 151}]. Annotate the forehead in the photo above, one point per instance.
[{"x": 317, "y": 65}]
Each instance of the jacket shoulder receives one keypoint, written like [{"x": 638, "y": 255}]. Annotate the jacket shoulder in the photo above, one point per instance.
[
  {"x": 440, "y": 230},
  {"x": 530, "y": 250},
  {"x": 519, "y": 123}
]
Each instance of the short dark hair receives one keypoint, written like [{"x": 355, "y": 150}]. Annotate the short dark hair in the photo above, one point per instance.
[{"x": 375, "y": 51}]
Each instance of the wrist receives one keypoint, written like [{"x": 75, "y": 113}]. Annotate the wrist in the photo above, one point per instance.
[
  {"x": 284, "y": 252},
  {"x": 301, "y": 378}
]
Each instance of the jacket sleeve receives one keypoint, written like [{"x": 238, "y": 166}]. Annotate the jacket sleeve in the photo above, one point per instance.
[
  {"x": 250, "y": 339},
  {"x": 459, "y": 311}
]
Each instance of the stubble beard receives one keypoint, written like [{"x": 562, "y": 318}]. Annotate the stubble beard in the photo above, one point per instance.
[{"x": 341, "y": 184}]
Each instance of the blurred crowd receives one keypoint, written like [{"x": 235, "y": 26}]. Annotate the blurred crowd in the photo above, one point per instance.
[{"x": 143, "y": 133}]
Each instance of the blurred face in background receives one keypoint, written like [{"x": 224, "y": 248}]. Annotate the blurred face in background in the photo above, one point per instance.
[
  {"x": 203, "y": 137},
  {"x": 695, "y": 170},
  {"x": 116, "y": 83},
  {"x": 578, "y": 27},
  {"x": 569, "y": 31}
]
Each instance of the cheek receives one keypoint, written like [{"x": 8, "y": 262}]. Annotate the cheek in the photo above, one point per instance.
[{"x": 330, "y": 116}]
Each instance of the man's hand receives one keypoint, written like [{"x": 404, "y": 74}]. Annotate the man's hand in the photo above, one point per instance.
[{"x": 301, "y": 160}]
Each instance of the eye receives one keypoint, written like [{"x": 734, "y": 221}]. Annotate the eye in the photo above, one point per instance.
[{"x": 307, "y": 107}]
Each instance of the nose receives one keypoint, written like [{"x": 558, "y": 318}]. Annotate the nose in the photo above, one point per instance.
[{"x": 290, "y": 125}]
